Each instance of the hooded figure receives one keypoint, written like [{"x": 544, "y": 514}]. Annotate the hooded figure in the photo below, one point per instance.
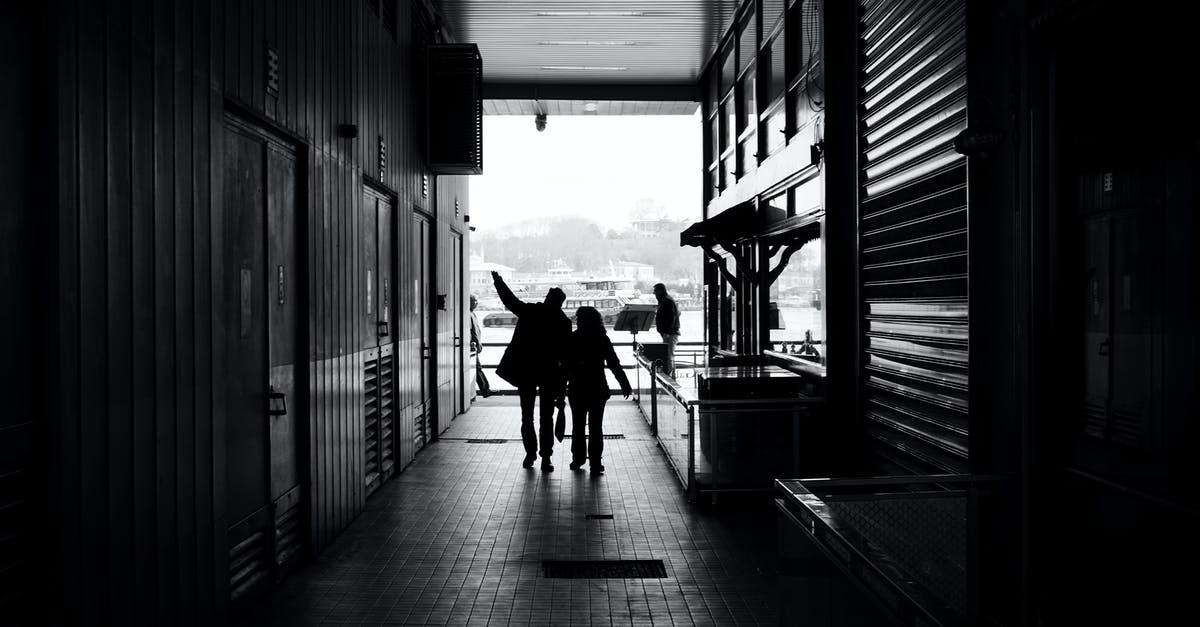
[{"x": 533, "y": 363}]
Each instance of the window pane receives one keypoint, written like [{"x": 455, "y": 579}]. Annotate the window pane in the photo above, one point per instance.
[
  {"x": 776, "y": 125},
  {"x": 713, "y": 145},
  {"x": 747, "y": 45},
  {"x": 727, "y": 73},
  {"x": 749, "y": 104},
  {"x": 778, "y": 80},
  {"x": 772, "y": 12},
  {"x": 730, "y": 124},
  {"x": 797, "y": 316}
]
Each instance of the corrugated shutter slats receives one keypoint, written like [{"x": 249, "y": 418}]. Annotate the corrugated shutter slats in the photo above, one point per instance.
[{"x": 913, "y": 233}]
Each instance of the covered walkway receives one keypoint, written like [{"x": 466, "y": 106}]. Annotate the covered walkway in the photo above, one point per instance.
[{"x": 460, "y": 538}]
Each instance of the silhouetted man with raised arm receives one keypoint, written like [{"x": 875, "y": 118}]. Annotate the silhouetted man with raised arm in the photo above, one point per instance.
[{"x": 533, "y": 363}]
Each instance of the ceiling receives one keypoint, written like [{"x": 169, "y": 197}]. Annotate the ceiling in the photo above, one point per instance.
[{"x": 590, "y": 51}]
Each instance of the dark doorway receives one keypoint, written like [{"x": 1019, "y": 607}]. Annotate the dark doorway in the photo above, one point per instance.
[{"x": 260, "y": 282}]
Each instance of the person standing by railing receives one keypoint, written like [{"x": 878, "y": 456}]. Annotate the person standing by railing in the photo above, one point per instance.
[
  {"x": 587, "y": 387},
  {"x": 666, "y": 322},
  {"x": 533, "y": 363},
  {"x": 481, "y": 382}
]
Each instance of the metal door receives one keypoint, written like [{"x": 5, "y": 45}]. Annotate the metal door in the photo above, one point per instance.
[
  {"x": 378, "y": 274},
  {"x": 259, "y": 296},
  {"x": 458, "y": 385},
  {"x": 422, "y": 249}
]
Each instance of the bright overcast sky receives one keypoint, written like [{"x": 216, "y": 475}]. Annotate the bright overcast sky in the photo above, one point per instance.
[{"x": 588, "y": 165}]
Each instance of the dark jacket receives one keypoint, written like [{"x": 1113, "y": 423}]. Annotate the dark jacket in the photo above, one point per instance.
[
  {"x": 534, "y": 355},
  {"x": 588, "y": 355},
  {"x": 666, "y": 319}
]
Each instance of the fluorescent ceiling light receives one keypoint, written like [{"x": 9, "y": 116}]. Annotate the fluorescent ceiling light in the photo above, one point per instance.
[
  {"x": 589, "y": 13},
  {"x": 588, "y": 43},
  {"x": 608, "y": 68}
]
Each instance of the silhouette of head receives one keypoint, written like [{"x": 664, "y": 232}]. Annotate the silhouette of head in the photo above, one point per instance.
[
  {"x": 660, "y": 291},
  {"x": 588, "y": 319},
  {"x": 474, "y": 302},
  {"x": 555, "y": 297}
]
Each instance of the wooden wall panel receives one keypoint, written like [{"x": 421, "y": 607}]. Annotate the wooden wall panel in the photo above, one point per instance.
[{"x": 143, "y": 88}]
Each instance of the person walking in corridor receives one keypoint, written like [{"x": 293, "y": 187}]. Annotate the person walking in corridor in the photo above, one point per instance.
[
  {"x": 666, "y": 322},
  {"x": 587, "y": 387},
  {"x": 533, "y": 363}
]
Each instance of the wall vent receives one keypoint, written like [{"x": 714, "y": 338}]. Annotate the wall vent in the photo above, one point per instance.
[{"x": 455, "y": 141}]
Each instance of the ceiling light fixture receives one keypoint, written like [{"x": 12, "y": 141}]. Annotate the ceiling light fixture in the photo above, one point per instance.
[
  {"x": 600, "y": 68},
  {"x": 589, "y": 13},
  {"x": 589, "y": 43}
]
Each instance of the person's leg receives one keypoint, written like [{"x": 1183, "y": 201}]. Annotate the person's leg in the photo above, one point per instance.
[
  {"x": 579, "y": 412},
  {"x": 671, "y": 341},
  {"x": 528, "y": 398},
  {"x": 546, "y": 398},
  {"x": 596, "y": 435}
]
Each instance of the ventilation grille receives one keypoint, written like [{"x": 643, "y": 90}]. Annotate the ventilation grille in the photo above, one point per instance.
[
  {"x": 604, "y": 569},
  {"x": 387, "y": 436},
  {"x": 455, "y": 109},
  {"x": 249, "y": 564},
  {"x": 289, "y": 538},
  {"x": 419, "y": 427},
  {"x": 371, "y": 424},
  {"x": 913, "y": 233}
]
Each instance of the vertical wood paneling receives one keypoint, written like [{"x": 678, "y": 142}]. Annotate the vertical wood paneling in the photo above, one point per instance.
[
  {"x": 202, "y": 313},
  {"x": 185, "y": 275},
  {"x": 164, "y": 306},
  {"x": 143, "y": 529},
  {"x": 143, "y": 88},
  {"x": 93, "y": 313},
  {"x": 118, "y": 373},
  {"x": 69, "y": 461}
]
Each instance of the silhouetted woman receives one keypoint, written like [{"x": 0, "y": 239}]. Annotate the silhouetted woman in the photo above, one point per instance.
[{"x": 587, "y": 388}]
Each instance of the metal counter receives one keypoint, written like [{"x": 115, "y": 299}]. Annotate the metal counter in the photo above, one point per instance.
[
  {"x": 903, "y": 542},
  {"x": 717, "y": 445}
]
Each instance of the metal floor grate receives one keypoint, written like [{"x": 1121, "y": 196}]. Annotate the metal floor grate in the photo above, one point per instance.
[
  {"x": 488, "y": 441},
  {"x": 604, "y": 569},
  {"x": 599, "y": 517},
  {"x": 614, "y": 436}
]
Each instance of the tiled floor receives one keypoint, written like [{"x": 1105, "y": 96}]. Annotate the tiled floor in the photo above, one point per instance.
[{"x": 459, "y": 537}]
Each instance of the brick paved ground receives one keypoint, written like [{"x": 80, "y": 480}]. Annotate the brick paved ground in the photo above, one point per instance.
[{"x": 459, "y": 538}]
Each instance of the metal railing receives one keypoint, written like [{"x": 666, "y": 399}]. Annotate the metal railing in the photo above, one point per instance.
[{"x": 688, "y": 356}]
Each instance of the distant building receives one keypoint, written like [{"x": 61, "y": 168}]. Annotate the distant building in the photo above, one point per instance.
[
  {"x": 481, "y": 274},
  {"x": 633, "y": 270},
  {"x": 656, "y": 227}
]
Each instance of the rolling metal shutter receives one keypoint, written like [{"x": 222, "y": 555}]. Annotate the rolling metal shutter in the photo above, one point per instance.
[{"x": 913, "y": 233}]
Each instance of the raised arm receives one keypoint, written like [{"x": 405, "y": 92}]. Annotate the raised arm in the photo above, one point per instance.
[
  {"x": 614, "y": 365},
  {"x": 510, "y": 300}
]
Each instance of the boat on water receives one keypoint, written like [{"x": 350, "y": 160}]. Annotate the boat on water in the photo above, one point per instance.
[{"x": 608, "y": 295}]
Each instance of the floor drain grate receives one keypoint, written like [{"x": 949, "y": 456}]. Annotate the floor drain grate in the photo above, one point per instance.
[
  {"x": 604, "y": 569},
  {"x": 614, "y": 436},
  {"x": 599, "y": 517},
  {"x": 486, "y": 441}
]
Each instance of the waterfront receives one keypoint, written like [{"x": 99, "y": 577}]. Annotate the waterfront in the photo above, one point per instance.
[{"x": 691, "y": 327}]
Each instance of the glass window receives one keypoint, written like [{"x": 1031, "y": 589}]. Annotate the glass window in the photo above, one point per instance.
[
  {"x": 747, "y": 42},
  {"x": 727, "y": 72},
  {"x": 776, "y": 130},
  {"x": 749, "y": 103},
  {"x": 772, "y": 13},
  {"x": 777, "y": 79},
  {"x": 796, "y": 309},
  {"x": 729, "y": 110}
]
